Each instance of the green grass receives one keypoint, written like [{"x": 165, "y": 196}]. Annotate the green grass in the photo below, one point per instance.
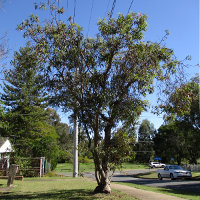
[
  {"x": 68, "y": 167},
  {"x": 129, "y": 166},
  {"x": 53, "y": 189},
  {"x": 89, "y": 167}
]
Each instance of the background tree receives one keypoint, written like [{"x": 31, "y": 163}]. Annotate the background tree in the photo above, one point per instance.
[
  {"x": 25, "y": 100},
  {"x": 104, "y": 79},
  {"x": 182, "y": 108},
  {"x": 170, "y": 143},
  {"x": 144, "y": 145},
  {"x": 65, "y": 138},
  {"x": 183, "y": 104}
]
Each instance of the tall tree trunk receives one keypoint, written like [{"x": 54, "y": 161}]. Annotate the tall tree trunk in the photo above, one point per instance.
[
  {"x": 102, "y": 175},
  {"x": 102, "y": 165}
]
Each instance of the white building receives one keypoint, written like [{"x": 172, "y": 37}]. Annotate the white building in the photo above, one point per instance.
[{"x": 5, "y": 150}]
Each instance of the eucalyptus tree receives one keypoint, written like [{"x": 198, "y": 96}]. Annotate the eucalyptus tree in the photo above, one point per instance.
[
  {"x": 183, "y": 103},
  {"x": 104, "y": 79}
]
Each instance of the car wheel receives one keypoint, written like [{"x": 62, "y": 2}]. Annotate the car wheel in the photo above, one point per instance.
[
  {"x": 159, "y": 177},
  {"x": 172, "y": 176}
]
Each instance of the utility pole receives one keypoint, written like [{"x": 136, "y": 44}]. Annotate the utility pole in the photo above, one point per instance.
[{"x": 75, "y": 156}]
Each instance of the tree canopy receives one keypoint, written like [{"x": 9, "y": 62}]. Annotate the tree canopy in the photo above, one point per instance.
[
  {"x": 25, "y": 100},
  {"x": 144, "y": 145},
  {"x": 182, "y": 130}
]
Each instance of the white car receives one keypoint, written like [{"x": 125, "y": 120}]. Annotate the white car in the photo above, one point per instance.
[
  {"x": 156, "y": 165},
  {"x": 173, "y": 172}
]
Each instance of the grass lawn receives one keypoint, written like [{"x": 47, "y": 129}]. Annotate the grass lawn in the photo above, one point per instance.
[
  {"x": 57, "y": 188},
  {"x": 89, "y": 167}
]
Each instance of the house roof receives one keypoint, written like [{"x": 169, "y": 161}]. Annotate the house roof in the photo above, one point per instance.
[
  {"x": 2, "y": 141},
  {"x": 5, "y": 145}
]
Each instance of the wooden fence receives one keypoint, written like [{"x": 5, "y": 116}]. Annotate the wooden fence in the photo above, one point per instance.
[
  {"x": 193, "y": 168},
  {"x": 34, "y": 168}
]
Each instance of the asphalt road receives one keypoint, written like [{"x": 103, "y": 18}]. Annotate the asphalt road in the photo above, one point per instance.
[{"x": 190, "y": 186}]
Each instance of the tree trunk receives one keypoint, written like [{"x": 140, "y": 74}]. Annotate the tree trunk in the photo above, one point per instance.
[
  {"x": 102, "y": 176},
  {"x": 101, "y": 163}
]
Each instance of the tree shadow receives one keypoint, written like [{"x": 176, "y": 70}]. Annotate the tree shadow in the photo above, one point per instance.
[
  {"x": 53, "y": 194},
  {"x": 180, "y": 191},
  {"x": 142, "y": 174}
]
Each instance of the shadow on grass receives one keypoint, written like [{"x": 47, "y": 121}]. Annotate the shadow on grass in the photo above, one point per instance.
[
  {"x": 54, "y": 194},
  {"x": 140, "y": 175},
  {"x": 196, "y": 178},
  {"x": 179, "y": 192}
]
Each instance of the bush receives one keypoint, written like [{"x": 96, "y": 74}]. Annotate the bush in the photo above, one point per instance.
[
  {"x": 51, "y": 174},
  {"x": 64, "y": 156},
  {"x": 85, "y": 159}
]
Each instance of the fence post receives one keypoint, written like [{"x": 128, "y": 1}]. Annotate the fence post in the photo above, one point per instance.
[{"x": 12, "y": 173}]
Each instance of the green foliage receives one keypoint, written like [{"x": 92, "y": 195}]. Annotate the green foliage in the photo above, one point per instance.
[
  {"x": 84, "y": 159},
  {"x": 119, "y": 148},
  {"x": 25, "y": 100},
  {"x": 182, "y": 113},
  {"x": 64, "y": 156},
  {"x": 177, "y": 141},
  {"x": 183, "y": 104},
  {"x": 64, "y": 139},
  {"x": 145, "y": 142}
]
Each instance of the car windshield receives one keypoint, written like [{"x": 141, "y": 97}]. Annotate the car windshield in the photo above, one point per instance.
[{"x": 175, "y": 167}]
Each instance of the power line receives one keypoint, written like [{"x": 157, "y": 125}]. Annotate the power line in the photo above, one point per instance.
[
  {"x": 130, "y": 6},
  {"x": 113, "y": 7},
  {"x": 143, "y": 151},
  {"x": 74, "y": 10},
  {"x": 90, "y": 16},
  {"x": 107, "y": 7},
  {"x": 151, "y": 116}
]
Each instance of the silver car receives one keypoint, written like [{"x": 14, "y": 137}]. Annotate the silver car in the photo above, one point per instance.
[{"x": 173, "y": 172}]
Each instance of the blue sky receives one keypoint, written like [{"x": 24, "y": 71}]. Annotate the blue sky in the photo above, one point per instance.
[{"x": 180, "y": 17}]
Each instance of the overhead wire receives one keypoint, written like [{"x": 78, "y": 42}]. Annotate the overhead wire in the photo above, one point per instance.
[
  {"x": 130, "y": 6},
  {"x": 90, "y": 16},
  {"x": 113, "y": 7},
  {"x": 74, "y": 10},
  {"x": 107, "y": 8}
]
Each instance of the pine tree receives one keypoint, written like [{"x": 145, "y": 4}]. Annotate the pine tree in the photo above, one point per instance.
[{"x": 25, "y": 99}]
